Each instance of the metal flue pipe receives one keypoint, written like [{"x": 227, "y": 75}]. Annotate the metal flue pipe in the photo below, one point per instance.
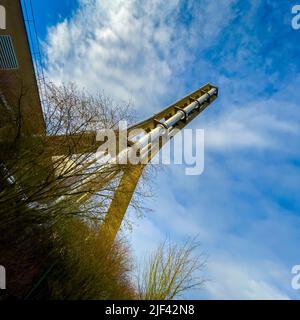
[
  {"x": 150, "y": 138},
  {"x": 154, "y": 134}
]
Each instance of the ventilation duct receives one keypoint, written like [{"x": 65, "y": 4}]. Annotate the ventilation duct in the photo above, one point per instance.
[{"x": 8, "y": 59}]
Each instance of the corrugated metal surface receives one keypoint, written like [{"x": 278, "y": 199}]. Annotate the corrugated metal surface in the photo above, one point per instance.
[{"x": 8, "y": 59}]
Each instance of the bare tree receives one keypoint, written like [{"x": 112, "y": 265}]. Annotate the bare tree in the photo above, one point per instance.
[
  {"x": 171, "y": 271},
  {"x": 54, "y": 180},
  {"x": 63, "y": 164}
]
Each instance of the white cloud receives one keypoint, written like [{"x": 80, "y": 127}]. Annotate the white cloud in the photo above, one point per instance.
[
  {"x": 245, "y": 282},
  {"x": 133, "y": 49},
  {"x": 262, "y": 124}
]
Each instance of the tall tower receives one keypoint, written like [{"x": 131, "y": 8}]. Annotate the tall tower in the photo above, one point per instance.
[
  {"x": 17, "y": 76},
  {"x": 173, "y": 118}
]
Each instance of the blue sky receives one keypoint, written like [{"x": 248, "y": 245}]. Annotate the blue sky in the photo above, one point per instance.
[{"x": 245, "y": 206}]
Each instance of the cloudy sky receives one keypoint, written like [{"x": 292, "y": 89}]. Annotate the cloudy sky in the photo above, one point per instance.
[{"x": 245, "y": 206}]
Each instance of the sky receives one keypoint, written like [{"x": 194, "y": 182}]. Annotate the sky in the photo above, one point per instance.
[{"x": 244, "y": 208}]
